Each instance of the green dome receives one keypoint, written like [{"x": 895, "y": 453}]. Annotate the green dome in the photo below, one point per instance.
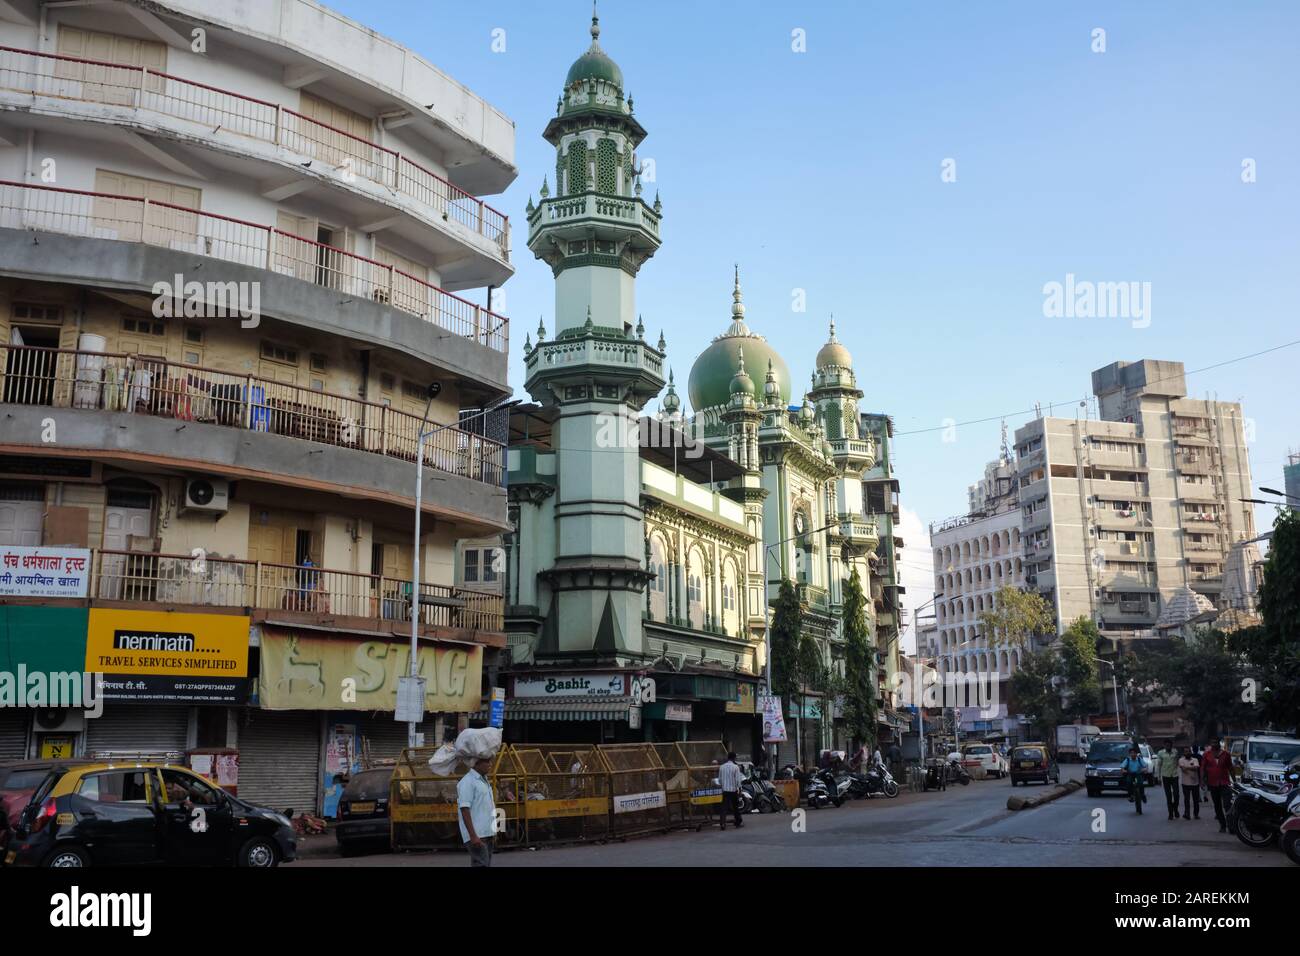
[
  {"x": 711, "y": 376},
  {"x": 594, "y": 64}
]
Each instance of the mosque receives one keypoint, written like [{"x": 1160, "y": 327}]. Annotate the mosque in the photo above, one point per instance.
[{"x": 639, "y": 574}]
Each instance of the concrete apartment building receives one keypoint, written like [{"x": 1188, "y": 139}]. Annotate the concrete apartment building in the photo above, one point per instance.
[
  {"x": 975, "y": 555},
  {"x": 1123, "y": 513},
  {"x": 235, "y": 247}
]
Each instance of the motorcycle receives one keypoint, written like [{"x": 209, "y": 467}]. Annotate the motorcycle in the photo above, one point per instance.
[
  {"x": 812, "y": 788},
  {"x": 873, "y": 780},
  {"x": 1257, "y": 815},
  {"x": 956, "y": 772},
  {"x": 757, "y": 793}
]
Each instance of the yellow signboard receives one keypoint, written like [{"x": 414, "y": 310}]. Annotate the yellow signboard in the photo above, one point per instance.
[
  {"x": 302, "y": 672},
  {"x": 423, "y": 813},
  {"x": 579, "y": 807},
  {"x": 56, "y": 748},
  {"x": 149, "y": 656}
]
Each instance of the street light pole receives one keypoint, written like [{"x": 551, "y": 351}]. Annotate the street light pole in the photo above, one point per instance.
[
  {"x": 1114, "y": 683},
  {"x": 434, "y": 389}
]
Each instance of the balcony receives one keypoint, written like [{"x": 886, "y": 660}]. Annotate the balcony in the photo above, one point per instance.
[
  {"x": 593, "y": 207},
  {"x": 149, "y": 386},
  {"x": 142, "y": 577},
  {"x": 859, "y": 531},
  {"x": 209, "y": 109},
  {"x": 76, "y": 212}
]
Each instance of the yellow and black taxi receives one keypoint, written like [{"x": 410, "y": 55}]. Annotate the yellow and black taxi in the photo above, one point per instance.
[
  {"x": 142, "y": 812},
  {"x": 1033, "y": 761}
]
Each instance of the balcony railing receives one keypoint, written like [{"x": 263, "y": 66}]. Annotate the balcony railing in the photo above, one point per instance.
[
  {"x": 94, "y": 81},
  {"x": 145, "y": 385},
  {"x": 228, "y": 582},
  {"x": 77, "y": 212}
]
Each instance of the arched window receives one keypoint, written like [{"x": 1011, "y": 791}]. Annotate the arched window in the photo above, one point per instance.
[{"x": 659, "y": 586}]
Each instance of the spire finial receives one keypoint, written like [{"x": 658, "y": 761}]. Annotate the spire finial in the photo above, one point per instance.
[
  {"x": 737, "y": 299},
  {"x": 541, "y": 329},
  {"x": 833, "y": 327},
  {"x": 595, "y": 24}
]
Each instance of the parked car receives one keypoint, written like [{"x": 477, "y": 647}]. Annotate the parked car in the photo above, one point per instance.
[
  {"x": 363, "y": 812},
  {"x": 983, "y": 755},
  {"x": 1266, "y": 757},
  {"x": 1033, "y": 761},
  {"x": 18, "y": 781},
  {"x": 1151, "y": 775},
  {"x": 121, "y": 813}
]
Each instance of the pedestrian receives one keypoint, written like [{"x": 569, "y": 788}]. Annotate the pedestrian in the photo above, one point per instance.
[
  {"x": 1189, "y": 770},
  {"x": 729, "y": 780},
  {"x": 1133, "y": 772},
  {"x": 478, "y": 814},
  {"x": 1216, "y": 770},
  {"x": 1167, "y": 758}
]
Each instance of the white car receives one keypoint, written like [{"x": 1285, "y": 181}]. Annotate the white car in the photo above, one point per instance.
[{"x": 983, "y": 755}]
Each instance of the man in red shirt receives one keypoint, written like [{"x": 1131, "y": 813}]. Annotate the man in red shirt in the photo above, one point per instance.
[{"x": 1217, "y": 767}]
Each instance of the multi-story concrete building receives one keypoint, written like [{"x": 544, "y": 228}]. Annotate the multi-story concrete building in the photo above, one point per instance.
[
  {"x": 975, "y": 555},
  {"x": 880, "y": 503},
  {"x": 1291, "y": 479},
  {"x": 1122, "y": 512},
  {"x": 233, "y": 245}
]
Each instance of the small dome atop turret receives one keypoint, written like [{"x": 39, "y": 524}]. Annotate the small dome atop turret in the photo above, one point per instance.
[
  {"x": 672, "y": 403},
  {"x": 741, "y": 383},
  {"x": 595, "y": 64},
  {"x": 833, "y": 353}
]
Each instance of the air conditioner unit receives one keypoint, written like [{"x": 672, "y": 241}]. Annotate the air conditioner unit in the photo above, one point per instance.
[
  {"x": 56, "y": 720},
  {"x": 207, "y": 494}
]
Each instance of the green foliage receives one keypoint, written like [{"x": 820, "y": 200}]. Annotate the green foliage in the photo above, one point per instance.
[
  {"x": 1078, "y": 669},
  {"x": 1273, "y": 649},
  {"x": 1204, "y": 672},
  {"x": 1033, "y": 693},
  {"x": 860, "y": 664},
  {"x": 786, "y": 636},
  {"x": 1017, "y": 617}
]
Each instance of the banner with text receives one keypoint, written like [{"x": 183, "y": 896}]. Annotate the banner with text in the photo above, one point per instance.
[
  {"x": 304, "y": 672},
  {"x": 155, "y": 656}
]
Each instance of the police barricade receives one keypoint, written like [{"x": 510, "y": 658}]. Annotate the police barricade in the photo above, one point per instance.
[
  {"x": 638, "y": 785},
  {"x": 566, "y": 792},
  {"x": 422, "y": 805},
  {"x": 694, "y": 797}
]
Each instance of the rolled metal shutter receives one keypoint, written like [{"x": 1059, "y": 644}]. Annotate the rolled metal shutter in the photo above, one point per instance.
[
  {"x": 279, "y": 759},
  {"x": 13, "y": 734},
  {"x": 139, "y": 728},
  {"x": 386, "y": 737}
]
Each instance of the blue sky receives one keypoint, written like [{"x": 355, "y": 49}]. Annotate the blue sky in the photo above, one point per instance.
[{"x": 821, "y": 171}]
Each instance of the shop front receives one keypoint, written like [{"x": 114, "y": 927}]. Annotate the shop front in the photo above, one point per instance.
[
  {"x": 49, "y": 642},
  {"x": 325, "y": 707},
  {"x": 573, "y": 707}
]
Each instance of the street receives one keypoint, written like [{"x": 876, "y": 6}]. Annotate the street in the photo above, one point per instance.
[{"x": 963, "y": 826}]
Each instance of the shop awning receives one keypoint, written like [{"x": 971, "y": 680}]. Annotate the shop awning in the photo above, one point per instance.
[{"x": 569, "y": 708}]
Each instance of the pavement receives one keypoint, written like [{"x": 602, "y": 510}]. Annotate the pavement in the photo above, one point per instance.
[{"x": 962, "y": 826}]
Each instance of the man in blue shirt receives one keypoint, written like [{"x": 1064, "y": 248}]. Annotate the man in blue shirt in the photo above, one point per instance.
[
  {"x": 1134, "y": 773},
  {"x": 477, "y": 812}
]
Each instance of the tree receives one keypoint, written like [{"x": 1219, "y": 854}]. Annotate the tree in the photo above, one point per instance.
[
  {"x": 1034, "y": 692},
  {"x": 1273, "y": 648},
  {"x": 1078, "y": 669},
  {"x": 1205, "y": 673},
  {"x": 1016, "y": 617},
  {"x": 859, "y": 665},
  {"x": 786, "y": 635}
]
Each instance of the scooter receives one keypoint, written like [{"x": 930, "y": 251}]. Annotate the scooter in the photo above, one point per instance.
[
  {"x": 837, "y": 786},
  {"x": 873, "y": 780},
  {"x": 1257, "y": 815},
  {"x": 1289, "y": 834},
  {"x": 956, "y": 772}
]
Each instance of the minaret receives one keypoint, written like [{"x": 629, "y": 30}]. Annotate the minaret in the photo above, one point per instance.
[{"x": 597, "y": 370}]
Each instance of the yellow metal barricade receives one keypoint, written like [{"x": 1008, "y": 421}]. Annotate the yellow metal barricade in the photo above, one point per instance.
[
  {"x": 566, "y": 791},
  {"x": 422, "y": 805},
  {"x": 638, "y": 784},
  {"x": 702, "y": 758}
]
